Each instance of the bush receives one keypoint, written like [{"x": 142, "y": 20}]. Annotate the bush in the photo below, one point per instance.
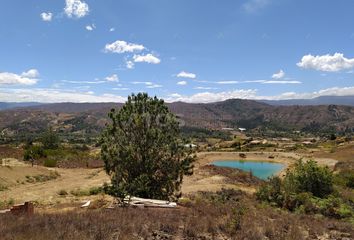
[
  {"x": 309, "y": 177},
  {"x": 50, "y": 162},
  {"x": 271, "y": 191},
  {"x": 308, "y": 188},
  {"x": 345, "y": 178}
]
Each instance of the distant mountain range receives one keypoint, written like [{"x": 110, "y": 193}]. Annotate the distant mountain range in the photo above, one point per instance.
[
  {"x": 74, "y": 107},
  {"x": 10, "y": 105},
  {"x": 90, "y": 118},
  {"x": 324, "y": 100}
]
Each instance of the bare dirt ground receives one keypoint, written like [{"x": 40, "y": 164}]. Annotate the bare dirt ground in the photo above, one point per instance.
[{"x": 47, "y": 193}]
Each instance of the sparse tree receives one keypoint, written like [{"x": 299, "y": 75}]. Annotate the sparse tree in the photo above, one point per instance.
[{"x": 143, "y": 152}]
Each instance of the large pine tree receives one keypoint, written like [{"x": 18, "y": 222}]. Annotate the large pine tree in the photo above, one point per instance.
[{"x": 143, "y": 152}]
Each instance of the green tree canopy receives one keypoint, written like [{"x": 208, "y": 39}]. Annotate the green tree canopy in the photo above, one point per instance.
[
  {"x": 50, "y": 139},
  {"x": 142, "y": 150}
]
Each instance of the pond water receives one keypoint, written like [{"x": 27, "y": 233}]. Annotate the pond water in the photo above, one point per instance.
[{"x": 262, "y": 170}]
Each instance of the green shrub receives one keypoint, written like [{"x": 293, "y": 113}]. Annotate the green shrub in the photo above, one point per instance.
[
  {"x": 308, "y": 188},
  {"x": 345, "y": 178},
  {"x": 50, "y": 162},
  {"x": 309, "y": 177},
  {"x": 271, "y": 192},
  {"x": 79, "y": 192},
  {"x": 95, "y": 190}
]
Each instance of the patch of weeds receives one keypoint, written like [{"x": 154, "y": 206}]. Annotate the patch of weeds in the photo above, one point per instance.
[
  {"x": 42, "y": 178},
  {"x": 87, "y": 192},
  {"x": 3, "y": 188},
  {"x": 49, "y": 162},
  {"x": 7, "y": 203}
]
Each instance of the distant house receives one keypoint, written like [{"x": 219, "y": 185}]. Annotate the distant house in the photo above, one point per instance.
[
  {"x": 190, "y": 145},
  {"x": 242, "y": 129}
]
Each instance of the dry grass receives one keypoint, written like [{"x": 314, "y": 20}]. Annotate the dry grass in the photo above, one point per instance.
[{"x": 223, "y": 215}]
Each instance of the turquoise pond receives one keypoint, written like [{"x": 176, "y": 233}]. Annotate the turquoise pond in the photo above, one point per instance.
[{"x": 262, "y": 170}]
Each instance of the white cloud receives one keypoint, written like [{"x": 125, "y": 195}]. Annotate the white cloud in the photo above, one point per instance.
[
  {"x": 334, "y": 91},
  {"x": 206, "y": 97},
  {"x": 130, "y": 64},
  {"x": 47, "y": 17},
  {"x": 184, "y": 74},
  {"x": 254, "y": 5},
  {"x": 205, "y": 88},
  {"x": 112, "y": 29},
  {"x": 26, "y": 78},
  {"x": 227, "y": 82},
  {"x": 113, "y": 78},
  {"x": 76, "y": 8},
  {"x": 148, "y": 84},
  {"x": 278, "y": 75},
  {"x": 145, "y": 83},
  {"x": 182, "y": 83},
  {"x": 90, "y": 27},
  {"x": 154, "y": 86},
  {"x": 55, "y": 95},
  {"x": 120, "y": 89},
  {"x": 83, "y": 82},
  {"x": 148, "y": 58},
  {"x": 122, "y": 47},
  {"x": 326, "y": 63},
  {"x": 281, "y": 82},
  {"x": 32, "y": 73}
]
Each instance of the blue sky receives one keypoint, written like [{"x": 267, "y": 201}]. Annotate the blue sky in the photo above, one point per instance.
[{"x": 186, "y": 50}]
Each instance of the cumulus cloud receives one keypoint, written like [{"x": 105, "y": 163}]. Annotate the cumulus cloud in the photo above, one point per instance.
[
  {"x": 122, "y": 47},
  {"x": 254, "y": 5},
  {"x": 279, "y": 75},
  {"x": 90, "y": 27},
  {"x": 45, "y": 95},
  {"x": 26, "y": 78},
  {"x": 47, "y": 17},
  {"x": 130, "y": 64},
  {"x": 334, "y": 91},
  {"x": 112, "y": 29},
  {"x": 326, "y": 63},
  {"x": 32, "y": 73},
  {"x": 184, "y": 74},
  {"x": 182, "y": 83},
  {"x": 148, "y": 58},
  {"x": 76, "y": 8},
  {"x": 205, "y": 97},
  {"x": 112, "y": 78}
]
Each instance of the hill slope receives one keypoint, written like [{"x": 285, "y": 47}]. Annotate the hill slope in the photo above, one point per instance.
[{"x": 90, "y": 118}]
